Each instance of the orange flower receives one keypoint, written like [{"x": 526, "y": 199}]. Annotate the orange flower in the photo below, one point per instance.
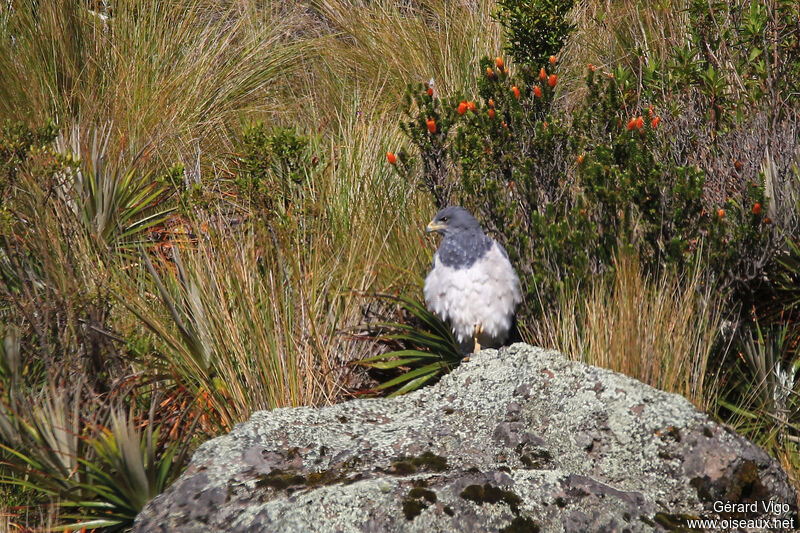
[
  {"x": 542, "y": 74},
  {"x": 631, "y": 123},
  {"x": 489, "y": 72},
  {"x": 515, "y": 90},
  {"x": 553, "y": 60},
  {"x": 430, "y": 92},
  {"x": 767, "y": 220},
  {"x": 537, "y": 91},
  {"x": 491, "y": 102},
  {"x": 650, "y": 111},
  {"x": 503, "y": 123},
  {"x": 491, "y": 113},
  {"x": 655, "y": 122},
  {"x": 392, "y": 158},
  {"x": 499, "y": 63},
  {"x": 591, "y": 67},
  {"x": 545, "y": 125},
  {"x": 639, "y": 123},
  {"x": 471, "y": 106},
  {"x": 431, "y": 125},
  {"x": 552, "y": 80},
  {"x": 721, "y": 213},
  {"x": 757, "y": 208},
  {"x": 462, "y": 108},
  {"x": 580, "y": 159}
]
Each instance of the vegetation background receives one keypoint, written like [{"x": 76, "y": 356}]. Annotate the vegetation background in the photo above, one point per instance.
[{"x": 199, "y": 213}]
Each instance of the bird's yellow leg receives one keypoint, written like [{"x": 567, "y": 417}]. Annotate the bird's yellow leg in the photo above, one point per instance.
[{"x": 478, "y": 331}]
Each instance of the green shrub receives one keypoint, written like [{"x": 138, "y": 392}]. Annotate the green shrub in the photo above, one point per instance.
[
  {"x": 275, "y": 165},
  {"x": 623, "y": 169},
  {"x": 535, "y": 30}
]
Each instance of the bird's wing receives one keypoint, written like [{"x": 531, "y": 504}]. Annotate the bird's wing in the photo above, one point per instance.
[
  {"x": 433, "y": 261},
  {"x": 502, "y": 249}
]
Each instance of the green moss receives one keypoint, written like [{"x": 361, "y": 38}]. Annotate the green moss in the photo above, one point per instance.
[
  {"x": 536, "y": 460},
  {"x": 403, "y": 467},
  {"x": 314, "y": 478},
  {"x": 430, "y": 461},
  {"x": 412, "y": 508},
  {"x": 419, "y": 492},
  {"x": 427, "y": 462},
  {"x": 488, "y": 493},
  {"x": 674, "y": 522},
  {"x": 417, "y": 500},
  {"x": 279, "y": 479},
  {"x": 521, "y": 524},
  {"x": 282, "y": 479}
]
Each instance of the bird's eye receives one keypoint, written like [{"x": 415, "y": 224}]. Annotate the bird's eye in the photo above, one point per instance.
[{"x": 444, "y": 219}]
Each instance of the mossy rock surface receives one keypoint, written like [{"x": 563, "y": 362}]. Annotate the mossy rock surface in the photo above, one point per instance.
[{"x": 520, "y": 439}]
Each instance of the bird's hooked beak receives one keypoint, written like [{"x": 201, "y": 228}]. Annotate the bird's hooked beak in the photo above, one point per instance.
[{"x": 434, "y": 226}]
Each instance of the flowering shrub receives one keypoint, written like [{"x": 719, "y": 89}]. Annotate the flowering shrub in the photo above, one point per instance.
[{"x": 565, "y": 191}]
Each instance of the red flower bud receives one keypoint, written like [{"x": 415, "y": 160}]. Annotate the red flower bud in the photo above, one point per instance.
[
  {"x": 462, "y": 108},
  {"x": 552, "y": 80},
  {"x": 431, "y": 125},
  {"x": 392, "y": 158},
  {"x": 537, "y": 91},
  {"x": 515, "y": 90}
]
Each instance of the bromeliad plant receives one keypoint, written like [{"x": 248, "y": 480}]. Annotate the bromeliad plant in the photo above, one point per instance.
[
  {"x": 429, "y": 349},
  {"x": 99, "y": 476}
]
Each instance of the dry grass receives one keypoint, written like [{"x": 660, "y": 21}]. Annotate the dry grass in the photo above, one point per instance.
[
  {"x": 175, "y": 76},
  {"x": 611, "y": 33},
  {"x": 660, "y": 332}
]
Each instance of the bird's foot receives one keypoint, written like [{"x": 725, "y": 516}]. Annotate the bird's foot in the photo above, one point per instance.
[{"x": 478, "y": 331}]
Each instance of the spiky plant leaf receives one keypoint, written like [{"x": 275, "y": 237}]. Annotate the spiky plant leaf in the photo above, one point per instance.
[{"x": 425, "y": 339}]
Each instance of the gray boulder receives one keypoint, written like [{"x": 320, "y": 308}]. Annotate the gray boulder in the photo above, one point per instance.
[{"x": 516, "y": 440}]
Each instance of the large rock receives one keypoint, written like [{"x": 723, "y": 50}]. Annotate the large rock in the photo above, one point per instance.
[{"x": 516, "y": 440}]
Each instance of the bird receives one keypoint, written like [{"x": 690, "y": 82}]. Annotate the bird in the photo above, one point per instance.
[{"x": 471, "y": 284}]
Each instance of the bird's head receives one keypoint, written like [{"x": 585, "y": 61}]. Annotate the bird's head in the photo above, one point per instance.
[{"x": 453, "y": 219}]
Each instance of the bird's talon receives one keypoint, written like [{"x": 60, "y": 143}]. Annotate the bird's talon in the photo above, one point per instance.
[{"x": 478, "y": 331}]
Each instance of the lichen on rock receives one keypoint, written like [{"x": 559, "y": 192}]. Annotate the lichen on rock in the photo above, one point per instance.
[{"x": 520, "y": 439}]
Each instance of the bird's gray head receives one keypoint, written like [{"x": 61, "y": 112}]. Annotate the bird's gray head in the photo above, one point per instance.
[
  {"x": 452, "y": 220},
  {"x": 464, "y": 241}
]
